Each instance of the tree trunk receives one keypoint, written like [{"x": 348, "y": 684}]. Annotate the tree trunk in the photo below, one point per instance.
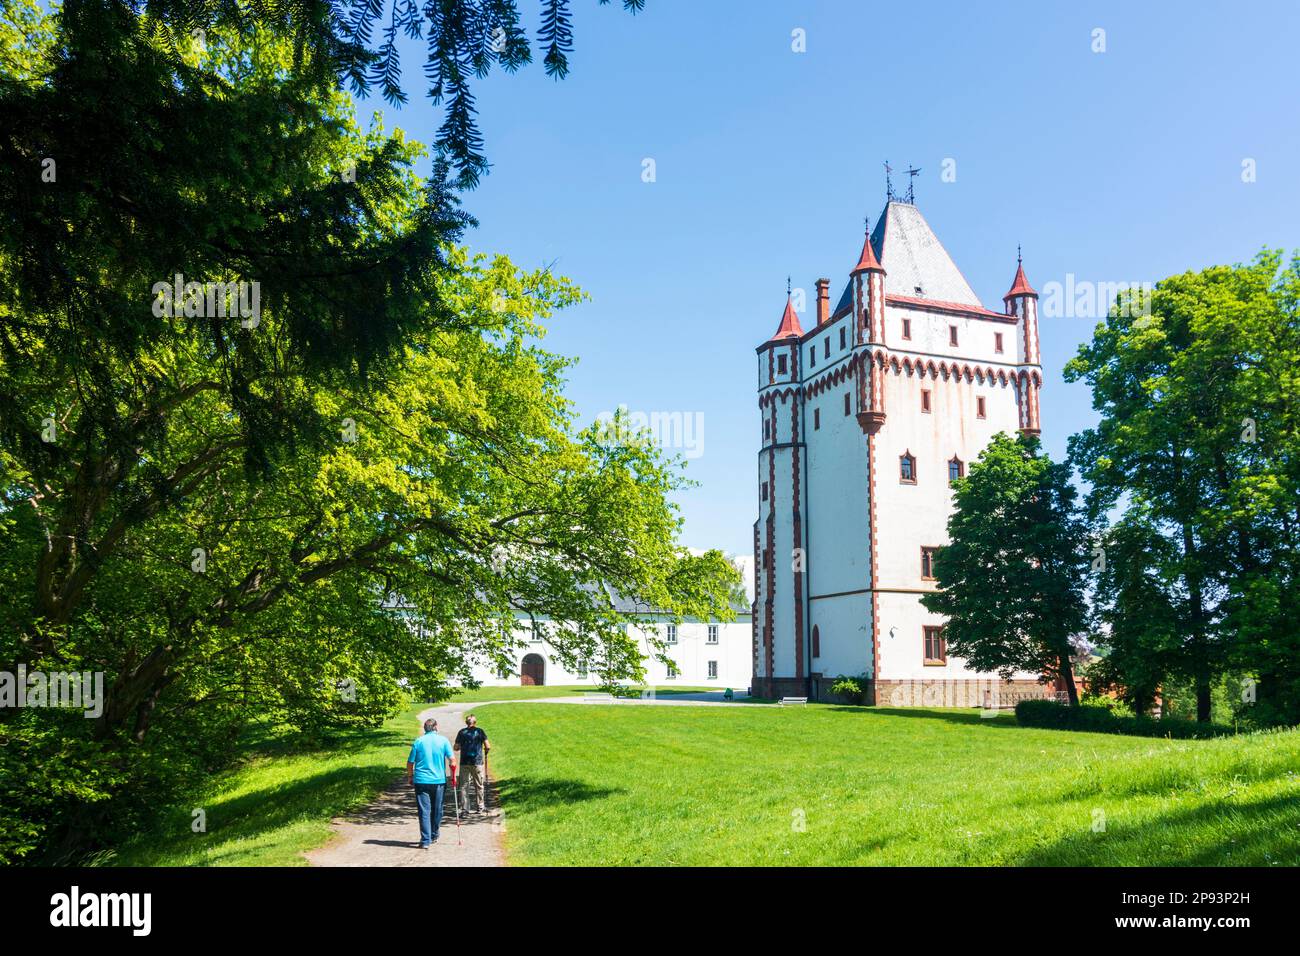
[
  {"x": 1067, "y": 675},
  {"x": 1203, "y": 698}
]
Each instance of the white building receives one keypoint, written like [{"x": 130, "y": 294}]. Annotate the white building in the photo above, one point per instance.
[
  {"x": 704, "y": 654},
  {"x": 865, "y": 419}
]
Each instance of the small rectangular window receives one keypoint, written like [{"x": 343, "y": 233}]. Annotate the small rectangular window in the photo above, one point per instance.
[
  {"x": 767, "y": 428},
  {"x": 841, "y": 337},
  {"x": 713, "y": 634},
  {"x": 827, "y": 344},
  {"x": 817, "y": 419},
  {"x": 780, "y": 365},
  {"x": 672, "y": 671},
  {"x": 847, "y": 398},
  {"x": 907, "y": 328},
  {"x": 582, "y": 669},
  {"x": 979, "y": 406},
  {"x": 907, "y": 469},
  {"x": 765, "y": 491},
  {"x": 952, "y": 335},
  {"x": 997, "y": 341},
  {"x": 672, "y": 634},
  {"x": 927, "y": 564},
  {"x": 812, "y": 357},
  {"x": 925, "y": 399},
  {"x": 713, "y": 670},
  {"x": 936, "y": 650}
]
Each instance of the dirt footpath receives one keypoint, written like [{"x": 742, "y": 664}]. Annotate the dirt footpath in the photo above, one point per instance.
[{"x": 387, "y": 833}]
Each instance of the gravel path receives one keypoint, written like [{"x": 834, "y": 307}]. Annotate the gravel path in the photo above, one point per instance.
[{"x": 386, "y": 833}]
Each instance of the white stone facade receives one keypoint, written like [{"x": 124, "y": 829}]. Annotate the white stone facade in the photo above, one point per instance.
[
  {"x": 704, "y": 653},
  {"x": 909, "y": 363}
]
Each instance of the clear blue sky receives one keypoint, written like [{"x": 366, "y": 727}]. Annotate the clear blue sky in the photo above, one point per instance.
[{"x": 1119, "y": 166}]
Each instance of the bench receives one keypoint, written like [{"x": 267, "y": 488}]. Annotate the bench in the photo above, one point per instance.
[{"x": 793, "y": 700}]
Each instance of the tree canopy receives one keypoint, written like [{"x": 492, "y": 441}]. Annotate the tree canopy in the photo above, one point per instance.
[
  {"x": 1011, "y": 580},
  {"x": 1196, "y": 463},
  {"x": 299, "y": 515}
]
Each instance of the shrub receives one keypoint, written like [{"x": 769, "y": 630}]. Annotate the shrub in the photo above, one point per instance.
[
  {"x": 1101, "y": 720},
  {"x": 852, "y": 689}
]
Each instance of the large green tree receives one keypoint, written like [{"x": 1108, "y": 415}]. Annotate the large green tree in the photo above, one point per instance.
[
  {"x": 1199, "y": 441},
  {"x": 1011, "y": 580},
  {"x": 292, "y": 519}
]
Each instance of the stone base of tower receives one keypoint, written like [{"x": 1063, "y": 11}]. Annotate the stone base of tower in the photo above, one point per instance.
[{"x": 973, "y": 692}]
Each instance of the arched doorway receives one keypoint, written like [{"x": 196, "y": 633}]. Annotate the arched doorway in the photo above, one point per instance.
[{"x": 532, "y": 672}]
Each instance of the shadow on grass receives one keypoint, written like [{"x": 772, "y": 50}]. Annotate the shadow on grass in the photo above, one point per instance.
[
  {"x": 952, "y": 716},
  {"x": 1262, "y": 832},
  {"x": 332, "y": 793},
  {"x": 526, "y": 794}
]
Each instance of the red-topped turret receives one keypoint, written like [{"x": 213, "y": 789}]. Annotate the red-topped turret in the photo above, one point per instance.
[
  {"x": 789, "y": 327},
  {"x": 1022, "y": 302},
  {"x": 1020, "y": 286},
  {"x": 867, "y": 261},
  {"x": 868, "y": 282}
]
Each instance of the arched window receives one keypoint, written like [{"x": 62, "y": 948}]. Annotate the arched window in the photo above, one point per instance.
[
  {"x": 907, "y": 468},
  {"x": 955, "y": 468},
  {"x": 817, "y": 642}
]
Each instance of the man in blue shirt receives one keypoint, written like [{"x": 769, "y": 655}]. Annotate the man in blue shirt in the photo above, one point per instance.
[{"x": 426, "y": 769}]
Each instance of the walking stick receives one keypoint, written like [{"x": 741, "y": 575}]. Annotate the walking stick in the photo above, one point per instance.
[{"x": 455, "y": 794}]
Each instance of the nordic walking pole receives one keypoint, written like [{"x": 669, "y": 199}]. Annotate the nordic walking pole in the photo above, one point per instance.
[{"x": 455, "y": 795}]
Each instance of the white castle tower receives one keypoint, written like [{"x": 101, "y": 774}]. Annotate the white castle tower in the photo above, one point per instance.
[{"x": 865, "y": 420}]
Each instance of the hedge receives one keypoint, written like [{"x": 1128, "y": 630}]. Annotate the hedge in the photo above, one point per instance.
[{"x": 1054, "y": 716}]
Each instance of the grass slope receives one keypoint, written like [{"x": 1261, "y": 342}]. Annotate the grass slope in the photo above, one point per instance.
[
  {"x": 280, "y": 802},
  {"x": 691, "y": 786}
]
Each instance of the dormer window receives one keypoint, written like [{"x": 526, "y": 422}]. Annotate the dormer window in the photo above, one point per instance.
[{"x": 907, "y": 468}]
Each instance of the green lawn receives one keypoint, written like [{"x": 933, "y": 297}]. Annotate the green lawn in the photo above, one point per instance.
[
  {"x": 517, "y": 692},
  {"x": 277, "y": 804},
  {"x": 828, "y": 785}
]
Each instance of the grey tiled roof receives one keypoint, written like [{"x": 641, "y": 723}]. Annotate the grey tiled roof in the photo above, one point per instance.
[{"x": 913, "y": 257}]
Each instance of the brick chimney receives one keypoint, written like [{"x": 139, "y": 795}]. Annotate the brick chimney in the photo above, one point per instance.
[{"x": 823, "y": 301}]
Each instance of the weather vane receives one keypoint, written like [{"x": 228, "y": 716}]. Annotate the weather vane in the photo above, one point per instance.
[
  {"x": 889, "y": 186},
  {"x": 911, "y": 182}
]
